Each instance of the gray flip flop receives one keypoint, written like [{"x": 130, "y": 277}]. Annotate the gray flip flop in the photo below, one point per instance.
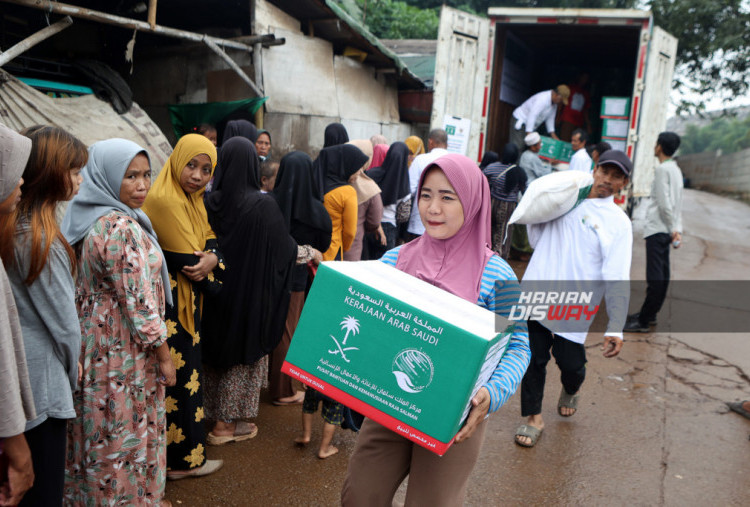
[
  {"x": 568, "y": 401},
  {"x": 737, "y": 407},
  {"x": 526, "y": 430}
]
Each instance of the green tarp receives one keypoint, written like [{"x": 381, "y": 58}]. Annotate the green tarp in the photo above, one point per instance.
[{"x": 185, "y": 117}]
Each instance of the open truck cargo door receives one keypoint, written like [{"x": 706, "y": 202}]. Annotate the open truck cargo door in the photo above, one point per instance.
[
  {"x": 462, "y": 74},
  {"x": 655, "y": 83}
]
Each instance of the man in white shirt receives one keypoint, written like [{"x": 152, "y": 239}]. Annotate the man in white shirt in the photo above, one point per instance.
[
  {"x": 580, "y": 161},
  {"x": 539, "y": 108},
  {"x": 437, "y": 144},
  {"x": 588, "y": 249},
  {"x": 663, "y": 228}
]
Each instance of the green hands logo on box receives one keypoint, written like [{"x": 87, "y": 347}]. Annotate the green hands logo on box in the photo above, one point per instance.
[{"x": 413, "y": 370}]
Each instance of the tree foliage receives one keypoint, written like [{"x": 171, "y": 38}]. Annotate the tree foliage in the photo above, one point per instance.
[
  {"x": 713, "y": 55},
  {"x": 726, "y": 134},
  {"x": 393, "y": 19}
]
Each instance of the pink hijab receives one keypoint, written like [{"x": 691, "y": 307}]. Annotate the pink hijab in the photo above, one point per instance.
[
  {"x": 378, "y": 155},
  {"x": 455, "y": 264}
]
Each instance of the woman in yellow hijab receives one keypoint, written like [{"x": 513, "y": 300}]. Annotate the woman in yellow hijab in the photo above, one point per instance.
[
  {"x": 175, "y": 207},
  {"x": 416, "y": 147}
]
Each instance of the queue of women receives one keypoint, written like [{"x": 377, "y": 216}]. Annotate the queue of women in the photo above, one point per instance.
[{"x": 142, "y": 328}]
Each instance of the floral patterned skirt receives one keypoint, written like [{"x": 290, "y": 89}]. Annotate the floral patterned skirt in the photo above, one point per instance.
[{"x": 234, "y": 393}]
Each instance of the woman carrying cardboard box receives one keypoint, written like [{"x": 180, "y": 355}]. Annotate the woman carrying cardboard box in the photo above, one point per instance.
[{"x": 454, "y": 255}]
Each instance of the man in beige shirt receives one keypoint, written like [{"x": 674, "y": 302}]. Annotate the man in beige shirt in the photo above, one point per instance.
[{"x": 663, "y": 229}]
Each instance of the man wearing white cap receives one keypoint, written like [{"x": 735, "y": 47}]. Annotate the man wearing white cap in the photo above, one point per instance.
[
  {"x": 530, "y": 161},
  {"x": 539, "y": 108}
]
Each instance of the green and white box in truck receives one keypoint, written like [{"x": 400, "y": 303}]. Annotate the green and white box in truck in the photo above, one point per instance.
[{"x": 486, "y": 67}]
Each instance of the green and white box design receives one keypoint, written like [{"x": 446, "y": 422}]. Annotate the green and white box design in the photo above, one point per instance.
[
  {"x": 614, "y": 128},
  {"x": 615, "y": 107},
  {"x": 398, "y": 350}
]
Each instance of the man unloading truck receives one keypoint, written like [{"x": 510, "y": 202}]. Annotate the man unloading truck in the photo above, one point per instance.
[{"x": 539, "y": 108}]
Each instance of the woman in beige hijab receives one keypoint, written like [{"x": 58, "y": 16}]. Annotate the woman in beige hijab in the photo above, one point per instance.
[{"x": 370, "y": 205}]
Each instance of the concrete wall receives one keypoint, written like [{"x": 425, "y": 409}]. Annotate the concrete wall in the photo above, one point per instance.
[
  {"x": 305, "y": 132},
  {"x": 713, "y": 171},
  {"x": 186, "y": 76},
  {"x": 309, "y": 87}
]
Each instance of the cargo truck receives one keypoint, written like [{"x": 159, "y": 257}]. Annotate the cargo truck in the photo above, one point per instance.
[{"x": 486, "y": 67}]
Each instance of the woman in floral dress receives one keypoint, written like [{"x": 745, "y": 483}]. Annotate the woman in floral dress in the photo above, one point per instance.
[{"x": 117, "y": 443}]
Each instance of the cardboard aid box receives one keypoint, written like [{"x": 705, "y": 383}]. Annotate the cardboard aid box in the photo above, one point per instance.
[
  {"x": 555, "y": 150},
  {"x": 396, "y": 349}
]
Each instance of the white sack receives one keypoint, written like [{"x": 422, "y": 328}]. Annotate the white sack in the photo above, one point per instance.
[{"x": 551, "y": 196}]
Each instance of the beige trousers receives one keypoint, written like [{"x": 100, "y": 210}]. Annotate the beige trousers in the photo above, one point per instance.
[{"x": 382, "y": 460}]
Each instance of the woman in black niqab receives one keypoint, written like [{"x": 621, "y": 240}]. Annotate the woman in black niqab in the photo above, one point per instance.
[
  {"x": 245, "y": 321},
  {"x": 335, "y": 133}
]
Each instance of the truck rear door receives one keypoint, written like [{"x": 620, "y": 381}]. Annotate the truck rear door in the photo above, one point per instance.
[
  {"x": 462, "y": 74},
  {"x": 652, "y": 117}
]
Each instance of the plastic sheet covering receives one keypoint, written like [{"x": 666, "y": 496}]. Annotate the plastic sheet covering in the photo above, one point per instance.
[
  {"x": 86, "y": 117},
  {"x": 185, "y": 117}
]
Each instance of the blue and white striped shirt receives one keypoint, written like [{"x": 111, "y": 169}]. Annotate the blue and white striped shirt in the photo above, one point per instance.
[{"x": 500, "y": 290}]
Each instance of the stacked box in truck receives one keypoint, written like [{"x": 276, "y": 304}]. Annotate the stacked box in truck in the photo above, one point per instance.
[{"x": 486, "y": 67}]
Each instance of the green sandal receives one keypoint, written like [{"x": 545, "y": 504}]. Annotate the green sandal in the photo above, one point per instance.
[
  {"x": 531, "y": 432},
  {"x": 568, "y": 401}
]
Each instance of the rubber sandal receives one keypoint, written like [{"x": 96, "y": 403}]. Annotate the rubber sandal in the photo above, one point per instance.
[
  {"x": 568, "y": 401},
  {"x": 299, "y": 398},
  {"x": 243, "y": 431},
  {"x": 209, "y": 467},
  {"x": 737, "y": 407},
  {"x": 526, "y": 430}
]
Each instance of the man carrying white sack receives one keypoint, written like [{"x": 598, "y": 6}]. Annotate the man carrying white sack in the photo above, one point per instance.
[{"x": 588, "y": 249}]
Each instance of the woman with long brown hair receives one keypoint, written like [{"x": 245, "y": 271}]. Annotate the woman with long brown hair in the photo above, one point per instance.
[{"x": 40, "y": 266}]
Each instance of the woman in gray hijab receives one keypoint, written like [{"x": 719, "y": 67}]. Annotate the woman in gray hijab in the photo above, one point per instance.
[
  {"x": 16, "y": 401},
  {"x": 120, "y": 299}
]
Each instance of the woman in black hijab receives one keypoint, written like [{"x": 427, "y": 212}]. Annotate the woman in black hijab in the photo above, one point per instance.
[
  {"x": 488, "y": 158},
  {"x": 332, "y": 171},
  {"x": 335, "y": 134},
  {"x": 245, "y": 321},
  {"x": 308, "y": 222},
  {"x": 393, "y": 179},
  {"x": 240, "y": 128}
]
